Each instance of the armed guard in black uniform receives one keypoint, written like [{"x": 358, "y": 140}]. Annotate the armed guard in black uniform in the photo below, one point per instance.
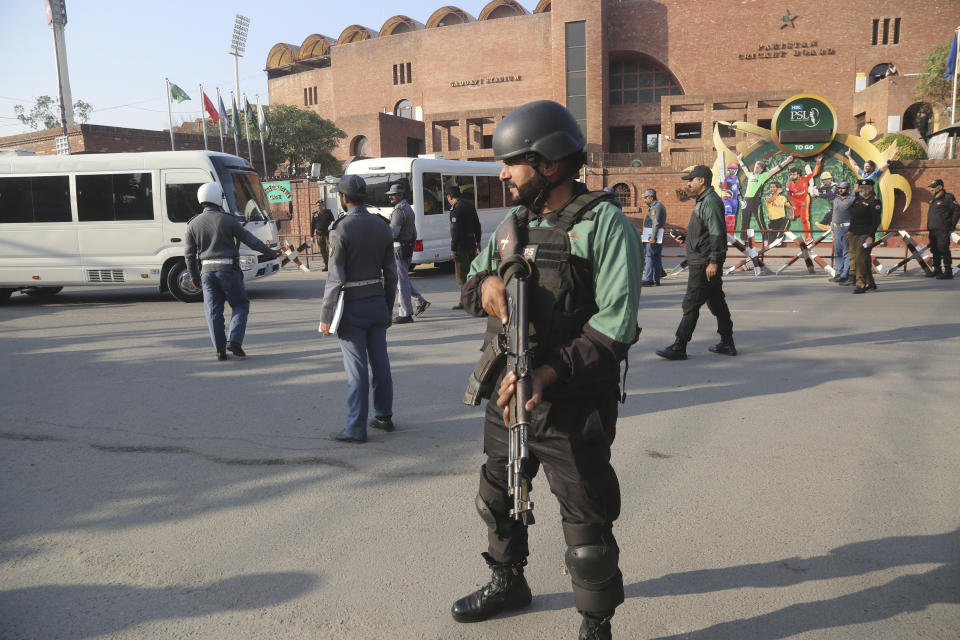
[{"x": 583, "y": 298}]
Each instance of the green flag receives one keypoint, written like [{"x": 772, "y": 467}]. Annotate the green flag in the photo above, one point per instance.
[
  {"x": 177, "y": 94},
  {"x": 251, "y": 116},
  {"x": 236, "y": 119},
  {"x": 264, "y": 124}
]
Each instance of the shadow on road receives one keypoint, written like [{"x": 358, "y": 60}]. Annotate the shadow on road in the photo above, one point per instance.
[{"x": 27, "y": 612}]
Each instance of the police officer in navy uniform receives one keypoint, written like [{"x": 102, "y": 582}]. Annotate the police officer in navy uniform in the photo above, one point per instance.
[
  {"x": 583, "y": 303},
  {"x": 363, "y": 267},
  {"x": 941, "y": 221},
  {"x": 212, "y": 253}
]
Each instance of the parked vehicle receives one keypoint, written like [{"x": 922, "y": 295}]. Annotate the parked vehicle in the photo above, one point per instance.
[
  {"x": 118, "y": 219},
  {"x": 425, "y": 179}
]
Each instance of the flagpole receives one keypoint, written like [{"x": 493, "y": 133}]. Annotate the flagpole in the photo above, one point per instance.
[
  {"x": 170, "y": 115},
  {"x": 246, "y": 127},
  {"x": 236, "y": 144},
  {"x": 956, "y": 67},
  {"x": 263, "y": 149},
  {"x": 203, "y": 118},
  {"x": 220, "y": 121}
]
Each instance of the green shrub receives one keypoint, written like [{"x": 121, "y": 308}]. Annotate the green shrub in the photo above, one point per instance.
[{"x": 909, "y": 148}]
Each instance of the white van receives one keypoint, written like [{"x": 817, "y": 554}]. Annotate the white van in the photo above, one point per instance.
[
  {"x": 426, "y": 179},
  {"x": 118, "y": 219}
]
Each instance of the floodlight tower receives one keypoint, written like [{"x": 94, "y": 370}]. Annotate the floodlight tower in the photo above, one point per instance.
[
  {"x": 57, "y": 19},
  {"x": 237, "y": 46}
]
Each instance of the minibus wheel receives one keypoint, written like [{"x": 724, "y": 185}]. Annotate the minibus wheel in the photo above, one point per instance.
[
  {"x": 42, "y": 292},
  {"x": 181, "y": 286},
  {"x": 5, "y": 295}
]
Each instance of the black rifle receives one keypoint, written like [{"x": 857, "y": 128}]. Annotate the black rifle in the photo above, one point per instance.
[{"x": 515, "y": 272}]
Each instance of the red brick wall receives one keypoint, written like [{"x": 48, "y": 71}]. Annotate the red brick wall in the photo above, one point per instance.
[{"x": 700, "y": 43}]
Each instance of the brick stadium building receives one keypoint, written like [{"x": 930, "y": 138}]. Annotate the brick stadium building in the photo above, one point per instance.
[{"x": 647, "y": 78}]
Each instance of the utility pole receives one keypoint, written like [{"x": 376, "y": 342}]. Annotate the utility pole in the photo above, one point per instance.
[
  {"x": 57, "y": 19},
  {"x": 238, "y": 45}
]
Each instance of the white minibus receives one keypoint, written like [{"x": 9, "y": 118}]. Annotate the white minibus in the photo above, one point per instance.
[
  {"x": 118, "y": 219},
  {"x": 425, "y": 179}
]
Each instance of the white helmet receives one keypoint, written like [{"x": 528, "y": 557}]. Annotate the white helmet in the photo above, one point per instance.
[{"x": 210, "y": 193}]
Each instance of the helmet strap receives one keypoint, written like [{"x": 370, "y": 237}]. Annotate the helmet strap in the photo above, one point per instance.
[{"x": 541, "y": 200}]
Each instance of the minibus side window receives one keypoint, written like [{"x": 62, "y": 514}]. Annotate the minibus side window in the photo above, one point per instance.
[
  {"x": 432, "y": 194},
  {"x": 182, "y": 201},
  {"x": 489, "y": 192},
  {"x": 35, "y": 199},
  {"x": 114, "y": 197}
]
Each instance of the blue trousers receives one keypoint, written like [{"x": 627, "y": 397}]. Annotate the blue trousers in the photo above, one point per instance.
[
  {"x": 653, "y": 269},
  {"x": 841, "y": 252},
  {"x": 220, "y": 287},
  {"x": 363, "y": 341},
  {"x": 405, "y": 288}
]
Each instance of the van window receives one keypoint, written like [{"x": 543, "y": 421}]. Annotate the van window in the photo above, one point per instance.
[
  {"x": 489, "y": 192},
  {"x": 466, "y": 188},
  {"x": 182, "y": 201},
  {"x": 114, "y": 197},
  {"x": 433, "y": 200},
  {"x": 379, "y": 183},
  {"x": 35, "y": 199}
]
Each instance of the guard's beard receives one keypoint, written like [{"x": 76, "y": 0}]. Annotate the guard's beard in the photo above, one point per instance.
[{"x": 527, "y": 193}]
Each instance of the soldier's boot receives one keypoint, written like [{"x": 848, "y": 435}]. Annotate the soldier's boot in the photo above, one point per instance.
[
  {"x": 724, "y": 347},
  {"x": 595, "y": 627},
  {"x": 507, "y": 591},
  {"x": 676, "y": 351}
]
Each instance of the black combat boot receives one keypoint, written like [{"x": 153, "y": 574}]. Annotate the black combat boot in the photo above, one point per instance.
[
  {"x": 507, "y": 591},
  {"x": 595, "y": 628},
  {"x": 676, "y": 351},
  {"x": 725, "y": 347}
]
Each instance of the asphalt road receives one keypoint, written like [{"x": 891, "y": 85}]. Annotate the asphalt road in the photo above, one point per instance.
[{"x": 805, "y": 489}]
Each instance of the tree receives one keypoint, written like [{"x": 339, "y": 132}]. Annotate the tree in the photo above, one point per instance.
[
  {"x": 909, "y": 149},
  {"x": 300, "y": 137},
  {"x": 46, "y": 112},
  {"x": 931, "y": 85}
]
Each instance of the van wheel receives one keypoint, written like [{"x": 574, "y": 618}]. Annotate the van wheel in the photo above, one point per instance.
[
  {"x": 42, "y": 292},
  {"x": 445, "y": 267},
  {"x": 181, "y": 286},
  {"x": 5, "y": 295}
]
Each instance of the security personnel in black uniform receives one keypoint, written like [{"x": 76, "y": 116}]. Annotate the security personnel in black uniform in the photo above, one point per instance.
[
  {"x": 583, "y": 299},
  {"x": 320, "y": 228},
  {"x": 464, "y": 233},
  {"x": 706, "y": 243},
  {"x": 865, "y": 215},
  {"x": 941, "y": 220}
]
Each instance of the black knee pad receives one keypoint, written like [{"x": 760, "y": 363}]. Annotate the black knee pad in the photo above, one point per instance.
[
  {"x": 593, "y": 565},
  {"x": 592, "y": 558}
]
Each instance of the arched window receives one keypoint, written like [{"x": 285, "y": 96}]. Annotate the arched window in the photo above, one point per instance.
[
  {"x": 404, "y": 109},
  {"x": 624, "y": 194},
  {"x": 360, "y": 147},
  {"x": 880, "y": 72},
  {"x": 635, "y": 81}
]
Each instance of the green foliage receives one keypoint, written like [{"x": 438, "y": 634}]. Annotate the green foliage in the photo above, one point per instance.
[
  {"x": 931, "y": 86},
  {"x": 909, "y": 148},
  {"x": 46, "y": 113},
  {"x": 301, "y": 137}
]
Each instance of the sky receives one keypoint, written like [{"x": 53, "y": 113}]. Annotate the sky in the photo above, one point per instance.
[{"x": 119, "y": 52}]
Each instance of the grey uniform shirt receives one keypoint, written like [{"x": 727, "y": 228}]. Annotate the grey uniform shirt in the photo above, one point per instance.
[
  {"x": 840, "y": 212},
  {"x": 216, "y": 235},
  {"x": 361, "y": 248},
  {"x": 655, "y": 219},
  {"x": 403, "y": 223}
]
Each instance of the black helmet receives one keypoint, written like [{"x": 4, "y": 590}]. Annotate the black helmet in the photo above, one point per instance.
[{"x": 543, "y": 127}]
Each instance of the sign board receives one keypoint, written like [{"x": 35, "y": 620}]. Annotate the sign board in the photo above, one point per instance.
[
  {"x": 277, "y": 192},
  {"x": 804, "y": 125}
]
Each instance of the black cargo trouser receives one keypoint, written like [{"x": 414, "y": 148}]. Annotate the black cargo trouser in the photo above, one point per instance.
[
  {"x": 571, "y": 440},
  {"x": 940, "y": 249},
  {"x": 699, "y": 291}
]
